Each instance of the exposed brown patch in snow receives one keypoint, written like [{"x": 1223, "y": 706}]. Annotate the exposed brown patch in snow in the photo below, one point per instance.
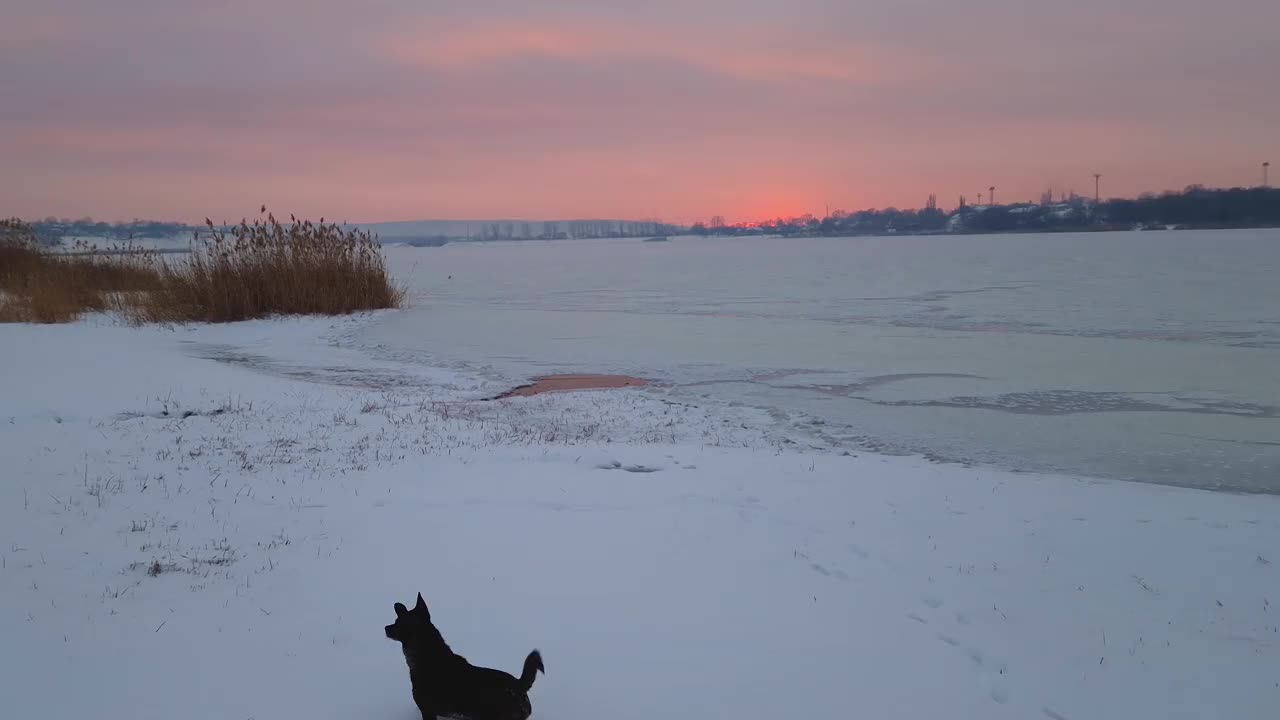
[{"x": 565, "y": 383}]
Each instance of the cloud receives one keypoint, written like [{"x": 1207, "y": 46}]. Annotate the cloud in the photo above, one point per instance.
[
  {"x": 750, "y": 53},
  {"x": 398, "y": 108}
]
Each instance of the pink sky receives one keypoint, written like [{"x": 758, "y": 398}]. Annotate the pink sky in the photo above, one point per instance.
[{"x": 410, "y": 109}]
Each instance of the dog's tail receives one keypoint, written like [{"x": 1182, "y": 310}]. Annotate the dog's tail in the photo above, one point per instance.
[{"x": 532, "y": 666}]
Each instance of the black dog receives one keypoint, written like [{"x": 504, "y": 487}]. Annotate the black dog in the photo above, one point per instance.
[{"x": 445, "y": 684}]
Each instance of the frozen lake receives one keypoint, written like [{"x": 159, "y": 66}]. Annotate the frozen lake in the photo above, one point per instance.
[{"x": 1146, "y": 356}]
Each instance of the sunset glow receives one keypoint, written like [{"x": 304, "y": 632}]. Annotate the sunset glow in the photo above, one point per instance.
[{"x": 746, "y": 109}]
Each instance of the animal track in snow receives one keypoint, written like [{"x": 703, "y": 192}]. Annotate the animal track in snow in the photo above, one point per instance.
[{"x": 829, "y": 573}]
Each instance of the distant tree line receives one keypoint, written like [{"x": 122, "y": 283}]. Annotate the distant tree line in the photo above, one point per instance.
[
  {"x": 1194, "y": 207},
  {"x": 839, "y": 223},
  {"x": 575, "y": 229},
  {"x": 51, "y": 229},
  {"x": 1200, "y": 207}
]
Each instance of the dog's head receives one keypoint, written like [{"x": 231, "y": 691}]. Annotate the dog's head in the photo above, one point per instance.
[{"x": 414, "y": 626}]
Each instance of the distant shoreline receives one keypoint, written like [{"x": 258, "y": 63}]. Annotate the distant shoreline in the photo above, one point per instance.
[
  {"x": 1057, "y": 231},
  {"x": 407, "y": 243},
  {"x": 940, "y": 233},
  {"x": 126, "y": 251}
]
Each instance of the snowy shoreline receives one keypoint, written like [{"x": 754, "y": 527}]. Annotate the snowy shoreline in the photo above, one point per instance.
[{"x": 213, "y": 521}]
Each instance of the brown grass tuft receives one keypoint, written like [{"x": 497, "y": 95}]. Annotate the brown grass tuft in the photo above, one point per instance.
[
  {"x": 257, "y": 270},
  {"x": 44, "y": 287},
  {"x": 268, "y": 268}
]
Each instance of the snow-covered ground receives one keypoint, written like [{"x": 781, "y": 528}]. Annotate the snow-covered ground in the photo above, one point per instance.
[
  {"x": 177, "y": 243},
  {"x": 214, "y": 522}
]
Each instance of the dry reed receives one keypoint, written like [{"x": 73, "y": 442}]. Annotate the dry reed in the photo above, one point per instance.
[
  {"x": 45, "y": 287},
  {"x": 268, "y": 268},
  {"x": 253, "y": 271}
]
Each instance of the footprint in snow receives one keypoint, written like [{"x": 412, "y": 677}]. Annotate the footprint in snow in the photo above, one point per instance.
[
  {"x": 829, "y": 573},
  {"x": 933, "y": 601}
]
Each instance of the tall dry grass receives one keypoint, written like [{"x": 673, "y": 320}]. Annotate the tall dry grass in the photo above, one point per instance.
[
  {"x": 43, "y": 287},
  {"x": 254, "y": 271},
  {"x": 268, "y": 268}
]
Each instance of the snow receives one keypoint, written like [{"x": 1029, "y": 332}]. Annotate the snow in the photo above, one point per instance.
[
  {"x": 213, "y": 522},
  {"x": 181, "y": 242}
]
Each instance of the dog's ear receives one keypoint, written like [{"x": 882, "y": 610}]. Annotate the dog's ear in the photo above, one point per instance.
[
  {"x": 421, "y": 607},
  {"x": 401, "y": 610}
]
